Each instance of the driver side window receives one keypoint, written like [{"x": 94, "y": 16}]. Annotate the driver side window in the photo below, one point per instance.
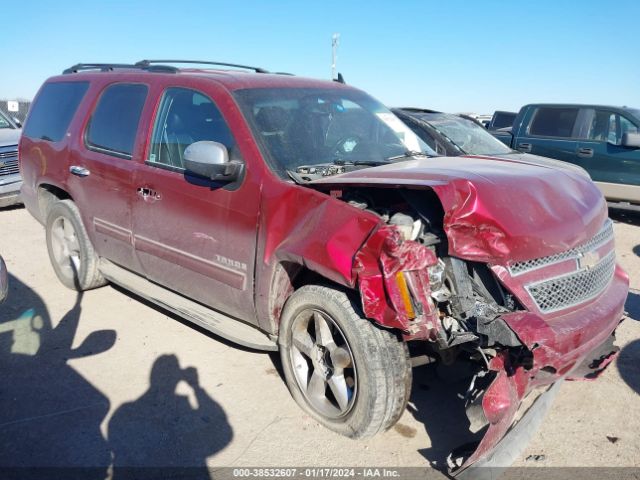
[
  {"x": 185, "y": 116},
  {"x": 626, "y": 126},
  {"x": 610, "y": 127}
]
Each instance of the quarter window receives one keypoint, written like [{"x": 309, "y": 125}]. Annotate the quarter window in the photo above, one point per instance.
[
  {"x": 54, "y": 109},
  {"x": 554, "y": 122},
  {"x": 186, "y": 116},
  {"x": 114, "y": 124}
]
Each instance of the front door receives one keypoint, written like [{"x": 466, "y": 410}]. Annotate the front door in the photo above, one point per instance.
[
  {"x": 616, "y": 169},
  {"x": 190, "y": 235}
]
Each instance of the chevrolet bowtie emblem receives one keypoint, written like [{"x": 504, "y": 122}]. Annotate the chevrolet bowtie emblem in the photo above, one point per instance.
[
  {"x": 588, "y": 260},
  {"x": 1, "y": 164}
]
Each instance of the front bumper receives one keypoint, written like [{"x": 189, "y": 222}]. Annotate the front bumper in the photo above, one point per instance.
[
  {"x": 514, "y": 442},
  {"x": 575, "y": 345},
  {"x": 10, "y": 190}
]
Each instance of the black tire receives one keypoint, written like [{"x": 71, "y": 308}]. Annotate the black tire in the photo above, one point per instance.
[
  {"x": 82, "y": 272},
  {"x": 381, "y": 358}
]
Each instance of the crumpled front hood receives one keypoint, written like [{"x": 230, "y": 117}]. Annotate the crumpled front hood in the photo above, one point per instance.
[
  {"x": 497, "y": 209},
  {"x": 9, "y": 136}
]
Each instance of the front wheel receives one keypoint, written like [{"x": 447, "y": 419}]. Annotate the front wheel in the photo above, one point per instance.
[{"x": 350, "y": 375}]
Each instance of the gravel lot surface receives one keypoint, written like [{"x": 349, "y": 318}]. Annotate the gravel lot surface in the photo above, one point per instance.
[{"x": 130, "y": 383}]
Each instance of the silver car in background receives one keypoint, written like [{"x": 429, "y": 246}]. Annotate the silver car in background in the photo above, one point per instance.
[{"x": 10, "y": 180}]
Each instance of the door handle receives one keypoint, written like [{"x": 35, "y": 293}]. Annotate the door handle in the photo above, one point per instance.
[
  {"x": 148, "y": 193},
  {"x": 79, "y": 171},
  {"x": 585, "y": 152},
  {"x": 524, "y": 147}
]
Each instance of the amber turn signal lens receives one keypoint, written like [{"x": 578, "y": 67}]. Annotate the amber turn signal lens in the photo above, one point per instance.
[{"x": 405, "y": 295}]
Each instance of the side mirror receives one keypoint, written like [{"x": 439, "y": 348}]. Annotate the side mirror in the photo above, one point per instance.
[
  {"x": 17, "y": 122},
  {"x": 4, "y": 281},
  {"x": 630, "y": 140},
  {"x": 211, "y": 160}
]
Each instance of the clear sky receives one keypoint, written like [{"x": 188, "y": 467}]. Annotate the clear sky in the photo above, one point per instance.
[{"x": 457, "y": 55}]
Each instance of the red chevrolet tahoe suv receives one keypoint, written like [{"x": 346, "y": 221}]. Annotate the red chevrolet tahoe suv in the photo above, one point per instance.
[{"x": 301, "y": 215}]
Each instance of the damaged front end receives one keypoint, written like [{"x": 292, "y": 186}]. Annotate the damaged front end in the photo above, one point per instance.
[{"x": 522, "y": 327}]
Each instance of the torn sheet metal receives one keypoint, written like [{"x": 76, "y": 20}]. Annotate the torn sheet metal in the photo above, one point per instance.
[{"x": 377, "y": 266}]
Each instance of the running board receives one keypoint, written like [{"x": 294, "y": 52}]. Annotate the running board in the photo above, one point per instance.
[{"x": 211, "y": 320}]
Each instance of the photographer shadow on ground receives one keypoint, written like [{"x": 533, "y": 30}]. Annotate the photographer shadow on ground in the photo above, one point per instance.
[
  {"x": 627, "y": 361},
  {"x": 50, "y": 415},
  {"x": 632, "y": 306},
  {"x": 628, "y": 366},
  {"x": 164, "y": 434}
]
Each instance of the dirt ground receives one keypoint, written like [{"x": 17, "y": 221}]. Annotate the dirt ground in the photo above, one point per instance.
[{"x": 77, "y": 370}]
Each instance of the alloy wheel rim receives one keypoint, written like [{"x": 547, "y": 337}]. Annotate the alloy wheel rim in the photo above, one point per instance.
[
  {"x": 65, "y": 247},
  {"x": 323, "y": 364}
]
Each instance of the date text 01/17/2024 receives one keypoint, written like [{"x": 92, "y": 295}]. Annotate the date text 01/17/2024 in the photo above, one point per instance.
[{"x": 316, "y": 472}]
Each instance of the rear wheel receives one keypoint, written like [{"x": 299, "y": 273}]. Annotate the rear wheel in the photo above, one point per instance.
[
  {"x": 350, "y": 375},
  {"x": 70, "y": 250}
]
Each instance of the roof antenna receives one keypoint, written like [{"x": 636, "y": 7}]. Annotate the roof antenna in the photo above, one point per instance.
[{"x": 335, "y": 40}]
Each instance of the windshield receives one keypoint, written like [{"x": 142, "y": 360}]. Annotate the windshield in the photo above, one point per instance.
[
  {"x": 302, "y": 126},
  {"x": 465, "y": 134},
  {"x": 4, "y": 123}
]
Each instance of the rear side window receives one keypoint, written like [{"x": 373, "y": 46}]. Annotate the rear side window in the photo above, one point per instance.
[
  {"x": 53, "y": 110},
  {"x": 503, "y": 120},
  {"x": 114, "y": 123},
  {"x": 554, "y": 122}
]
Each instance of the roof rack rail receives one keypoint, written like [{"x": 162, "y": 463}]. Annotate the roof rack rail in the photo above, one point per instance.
[
  {"x": 109, "y": 67},
  {"x": 148, "y": 63}
]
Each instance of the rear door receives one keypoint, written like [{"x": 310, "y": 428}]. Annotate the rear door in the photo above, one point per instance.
[
  {"x": 551, "y": 132},
  {"x": 101, "y": 170},
  {"x": 193, "y": 236},
  {"x": 616, "y": 169}
]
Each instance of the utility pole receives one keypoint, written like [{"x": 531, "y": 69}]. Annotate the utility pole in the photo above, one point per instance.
[{"x": 335, "y": 39}]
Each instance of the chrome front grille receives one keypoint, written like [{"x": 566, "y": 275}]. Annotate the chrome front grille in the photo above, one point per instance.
[
  {"x": 8, "y": 153},
  {"x": 603, "y": 236},
  {"x": 9, "y": 166},
  {"x": 573, "y": 288}
]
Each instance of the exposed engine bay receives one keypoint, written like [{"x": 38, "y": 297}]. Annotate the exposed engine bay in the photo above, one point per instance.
[{"x": 468, "y": 298}]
